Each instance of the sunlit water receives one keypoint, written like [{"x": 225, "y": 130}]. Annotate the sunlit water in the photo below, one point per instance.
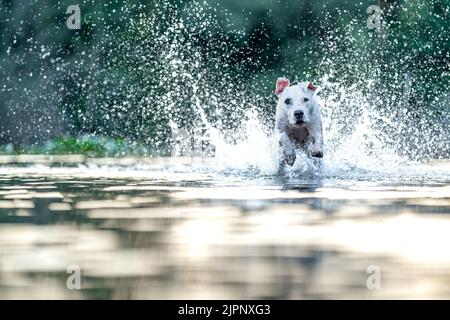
[
  {"x": 230, "y": 226},
  {"x": 192, "y": 228}
]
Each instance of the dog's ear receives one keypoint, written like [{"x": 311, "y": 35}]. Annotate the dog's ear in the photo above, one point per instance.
[
  {"x": 311, "y": 87},
  {"x": 281, "y": 84}
]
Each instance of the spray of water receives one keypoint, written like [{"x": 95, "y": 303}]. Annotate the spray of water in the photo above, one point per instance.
[
  {"x": 371, "y": 126},
  {"x": 174, "y": 71}
]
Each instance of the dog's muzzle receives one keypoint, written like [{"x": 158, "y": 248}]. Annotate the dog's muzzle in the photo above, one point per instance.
[{"x": 299, "y": 114}]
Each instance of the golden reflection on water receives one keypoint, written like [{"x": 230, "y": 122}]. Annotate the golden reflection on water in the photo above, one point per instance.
[{"x": 161, "y": 234}]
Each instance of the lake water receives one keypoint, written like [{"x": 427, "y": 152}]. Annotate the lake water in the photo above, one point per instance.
[{"x": 182, "y": 229}]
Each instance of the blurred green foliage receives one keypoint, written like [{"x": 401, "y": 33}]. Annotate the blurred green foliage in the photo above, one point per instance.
[
  {"x": 92, "y": 146},
  {"x": 117, "y": 76}
]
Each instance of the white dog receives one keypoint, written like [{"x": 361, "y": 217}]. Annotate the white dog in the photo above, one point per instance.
[{"x": 298, "y": 120}]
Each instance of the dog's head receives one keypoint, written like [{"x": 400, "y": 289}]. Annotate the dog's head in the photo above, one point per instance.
[{"x": 296, "y": 101}]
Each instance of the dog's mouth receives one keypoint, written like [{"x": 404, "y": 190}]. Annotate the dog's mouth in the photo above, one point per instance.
[{"x": 299, "y": 122}]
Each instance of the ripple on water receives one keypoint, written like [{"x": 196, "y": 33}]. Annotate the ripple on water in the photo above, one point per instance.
[{"x": 146, "y": 233}]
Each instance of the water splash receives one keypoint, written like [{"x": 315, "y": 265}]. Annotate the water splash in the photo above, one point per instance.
[
  {"x": 371, "y": 127},
  {"x": 170, "y": 66}
]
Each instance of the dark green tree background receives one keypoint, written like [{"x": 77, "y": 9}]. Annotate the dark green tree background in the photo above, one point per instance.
[{"x": 136, "y": 67}]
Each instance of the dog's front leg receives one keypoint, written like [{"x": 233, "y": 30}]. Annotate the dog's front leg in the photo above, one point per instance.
[
  {"x": 287, "y": 148},
  {"x": 316, "y": 148}
]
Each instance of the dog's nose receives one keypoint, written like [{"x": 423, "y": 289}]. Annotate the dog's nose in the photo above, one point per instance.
[{"x": 298, "y": 114}]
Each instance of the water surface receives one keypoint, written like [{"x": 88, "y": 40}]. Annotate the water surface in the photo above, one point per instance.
[{"x": 179, "y": 229}]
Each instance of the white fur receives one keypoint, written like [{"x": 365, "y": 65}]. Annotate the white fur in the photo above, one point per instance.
[{"x": 287, "y": 127}]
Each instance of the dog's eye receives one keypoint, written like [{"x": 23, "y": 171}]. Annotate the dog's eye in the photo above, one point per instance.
[
  {"x": 288, "y": 101},
  {"x": 305, "y": 99}
]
